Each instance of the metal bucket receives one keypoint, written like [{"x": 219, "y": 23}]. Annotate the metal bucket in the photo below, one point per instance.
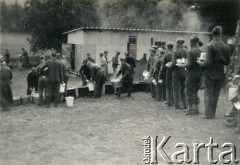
[
  {"x": 16, "y": 101},
  {"x": 26, "y": 99},
  {"x": 35, "y": 99},
  {"x": 116, "y": 83}
]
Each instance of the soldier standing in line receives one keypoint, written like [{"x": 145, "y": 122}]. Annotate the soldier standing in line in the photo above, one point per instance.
[
  {"x": 179, "y": 75},
  {"x": 194, "y": 75},
  {"x": 218, "y": 55},
  {"x": 151, "y": 70},
  {"x": 157, "y": 66},
  {"x": 165, "y": 69}
]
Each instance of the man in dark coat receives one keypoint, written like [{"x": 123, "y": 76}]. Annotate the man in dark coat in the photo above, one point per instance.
[
  {"x": 130, "y": 61},
  {"x": 25, "y": 58},
  {"x": 218, "y": 55},
  {"x": 167, "y": 72},
  {"x": 127, "y": 78},
  {"x": 98, "y": 77},
  {"x": 194, "y": 75},
  {"x": 5, "y": 83},
  {"x": 179, "y": 75},
  {"x": 85, "y": 73},
  {"x": 159, "y": 88},
  {"x": 53, "y": 79},
  {"x": 32, "y": 81}
]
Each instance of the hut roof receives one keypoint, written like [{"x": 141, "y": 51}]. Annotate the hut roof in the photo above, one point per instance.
[{"x": 130, "y": 29}]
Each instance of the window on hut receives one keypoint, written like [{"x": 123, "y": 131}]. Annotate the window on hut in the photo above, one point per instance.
[
  {"x": 132, "y": 40},
  {"x": 160, "y": 44}
]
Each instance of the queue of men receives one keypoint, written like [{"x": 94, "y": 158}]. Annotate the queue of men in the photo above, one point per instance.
[
  {"x": 183, "y": 79},
  {"x": 176, "y": 75}
]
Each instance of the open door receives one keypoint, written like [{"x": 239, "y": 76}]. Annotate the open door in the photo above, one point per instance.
[{"x": 73, "y": 54}]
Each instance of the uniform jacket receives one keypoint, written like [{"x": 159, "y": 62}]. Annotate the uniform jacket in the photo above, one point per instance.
[
  {"x": 193, "y": 68},
  {"x": 157, "y": 67},
  {"x": 131, "y": 62},
  {"x": 126, "y": 71},
  {"x": 164, "y": 71},
  {"x": 65, "y": 66},
  {"x": 32, "y": 79},
  {"x": 151, "y": 67},
  {"x": 85, "y": 71},
  {"x": 214, "y": 66},
  {"x": 6, "y": 74},
  {"x": 94, "y": 69},
  {"x": 55, "y": 70},
  {"x": 178, "y": 54}
]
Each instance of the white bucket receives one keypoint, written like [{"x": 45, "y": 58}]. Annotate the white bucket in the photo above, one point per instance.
[
  {"x": 62, "y": 88},
  {"x": 69, "y": 101},
  {"x": 237, "y": 105},
  {"x": 90, "y": 86},
  {"x": 232, "y": 93}
]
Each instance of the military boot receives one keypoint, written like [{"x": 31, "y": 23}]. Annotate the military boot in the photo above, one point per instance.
[
  {"x": 190, "y": 110},
  {"x": 47, "y": 102}
]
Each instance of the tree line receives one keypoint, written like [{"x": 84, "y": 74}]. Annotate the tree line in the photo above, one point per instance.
[{"x": 12, "y": 17}]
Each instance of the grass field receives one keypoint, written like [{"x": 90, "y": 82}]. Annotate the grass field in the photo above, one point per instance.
[
  {"x": 105, "y": 131},
  {"x": 14, "y": 42}
]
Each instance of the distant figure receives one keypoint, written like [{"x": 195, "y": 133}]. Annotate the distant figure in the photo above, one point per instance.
[
  {"x": 130, "y": 60},
  {"x": 127, "y": 78},
  {"x": 6, "y": 57},
  {"x": 5, "y": 83},
  {"x": 106, "y": 57},
  {"x": 115, "y": 62},
  {"x": 85, "y": 73},
  {"x": 32, "y": 81},
  {"x": 144, "y": 58},
  {"x": 25, "y": 58},
  {"x": 89, "y": 58},
  {"x": 54, "y": 77},
  {"x": 104, "y": 65}
]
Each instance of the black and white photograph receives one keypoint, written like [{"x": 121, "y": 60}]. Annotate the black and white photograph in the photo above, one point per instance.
[{"x": 119, "y": 82}]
